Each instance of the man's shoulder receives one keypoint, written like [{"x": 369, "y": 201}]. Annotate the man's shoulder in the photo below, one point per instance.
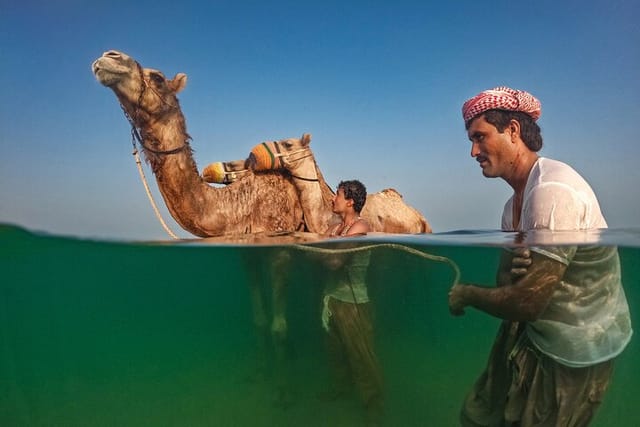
[
  {"x": 558, "y": 198},
  {"x": 555, "y": 171},
  {"x": 361, "y": 226}
]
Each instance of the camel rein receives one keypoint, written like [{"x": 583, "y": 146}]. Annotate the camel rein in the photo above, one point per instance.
[{"x": 395, "y": 246}]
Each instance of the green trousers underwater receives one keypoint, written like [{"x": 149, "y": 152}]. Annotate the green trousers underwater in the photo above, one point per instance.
[{"x": 352, "y": 358}]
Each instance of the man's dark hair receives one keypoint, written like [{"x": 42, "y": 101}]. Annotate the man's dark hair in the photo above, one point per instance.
[
  {"x": 529, "y": 129},
  {"x": 356, "y": 191}
]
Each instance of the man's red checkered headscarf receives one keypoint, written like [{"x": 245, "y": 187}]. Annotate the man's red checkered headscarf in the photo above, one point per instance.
[{"x": 502, "y": 98}]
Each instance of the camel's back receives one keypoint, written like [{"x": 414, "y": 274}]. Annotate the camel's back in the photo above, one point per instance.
[{"x": 387, "y": 212}]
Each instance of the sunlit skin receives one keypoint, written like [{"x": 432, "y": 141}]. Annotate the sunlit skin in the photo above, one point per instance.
[
  {"x": 525, "y": 280},
  {"x": 502, "y": 155},
  {"x": 350, "y": 218},
  {"x": 340, "y": 203},
  {"x": 516, "y": 298},
  {"x": 344, "y": 207},
  {"x": 494, "y": 151}
]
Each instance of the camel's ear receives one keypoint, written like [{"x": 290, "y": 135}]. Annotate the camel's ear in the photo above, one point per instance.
[
  {"x": 178, "y": 83},
  {"x": 306, "y": 139}
]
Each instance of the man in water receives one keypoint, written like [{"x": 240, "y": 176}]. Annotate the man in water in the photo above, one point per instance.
[
  {"x": 346, "y": 314},
  {"x": 566, "y": 318}
]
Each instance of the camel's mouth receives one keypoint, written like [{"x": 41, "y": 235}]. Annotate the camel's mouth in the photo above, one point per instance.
[
  {"x": 111, "y": 67},
  {"x": 106, "y": 74}
]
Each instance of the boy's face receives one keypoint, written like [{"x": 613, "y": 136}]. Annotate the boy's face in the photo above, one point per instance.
[{"x": 340, "y": 203}]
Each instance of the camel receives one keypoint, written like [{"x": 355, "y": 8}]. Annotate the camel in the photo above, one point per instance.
[
  {"x": 259, "y": 202},
  {"x": 384, "y": 210}
]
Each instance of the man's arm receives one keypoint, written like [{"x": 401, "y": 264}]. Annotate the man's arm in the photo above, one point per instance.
[{"x": 521, "y": 298}]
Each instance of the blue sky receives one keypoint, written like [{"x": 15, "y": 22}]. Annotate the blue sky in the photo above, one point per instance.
[{"x": 379, "y": 85}]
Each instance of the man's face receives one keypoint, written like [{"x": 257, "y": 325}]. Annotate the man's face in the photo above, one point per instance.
[
  {"x": 339, "y": 202},
  {"x": 492, "y": 149}
]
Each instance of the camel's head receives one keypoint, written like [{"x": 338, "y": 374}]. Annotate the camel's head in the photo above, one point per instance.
[
  {"x": 291, "y": 145},
  {"x": 283, "y": 154},
  {"x": 140, "y": 90}
]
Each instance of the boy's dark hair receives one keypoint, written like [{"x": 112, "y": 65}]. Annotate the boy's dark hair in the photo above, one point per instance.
[{"x": 356, "y": 191}]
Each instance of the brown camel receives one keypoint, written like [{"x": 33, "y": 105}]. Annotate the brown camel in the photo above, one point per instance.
[
  {"x": 385, "y": 211},
  {"x": 259, "y": 202}
]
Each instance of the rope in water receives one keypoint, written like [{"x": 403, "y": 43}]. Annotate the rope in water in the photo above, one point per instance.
[{"x": 395, "y": 246}]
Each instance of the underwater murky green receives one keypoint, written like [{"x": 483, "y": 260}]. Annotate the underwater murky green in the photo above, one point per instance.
[{"x": 132, "y": 334}]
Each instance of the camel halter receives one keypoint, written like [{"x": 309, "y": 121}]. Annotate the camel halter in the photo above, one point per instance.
[
  {"x": 303, "y": 153},
  {"x": 138, "y": 107},
  {"x": 271, "y": 156}
]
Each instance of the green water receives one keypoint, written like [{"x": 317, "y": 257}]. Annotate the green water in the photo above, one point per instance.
[{"x": 126, "y": 334}]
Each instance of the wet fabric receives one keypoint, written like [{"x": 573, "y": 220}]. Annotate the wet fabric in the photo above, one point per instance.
[
  {"x": 555, "y": 198},
  {"x": 523, "y": 387},
  {"x": 347, "y": 283},
  {"x": 352, "y": 358},
  {"x": 347, "y": 319},
  {"x": 587, "y": 320}
]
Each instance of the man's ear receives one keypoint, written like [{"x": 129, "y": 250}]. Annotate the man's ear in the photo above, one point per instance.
[{"x": 514, "y": 128}]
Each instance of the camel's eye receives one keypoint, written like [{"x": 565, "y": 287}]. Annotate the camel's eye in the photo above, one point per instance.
[{"x": 158, "y": 78}]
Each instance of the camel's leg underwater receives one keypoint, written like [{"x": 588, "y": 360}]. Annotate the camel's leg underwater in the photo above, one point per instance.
[
  {"x": 270, "y": 272},
  {"x": 279, "y": 268},
  {"x": 260, "y": 322}
]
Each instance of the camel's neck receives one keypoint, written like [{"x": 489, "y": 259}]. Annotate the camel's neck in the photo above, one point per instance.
[
  {"x": 166, "y": 147},
  {"x": 315, "y": 196},
  {"x": 165, "y": 141}
]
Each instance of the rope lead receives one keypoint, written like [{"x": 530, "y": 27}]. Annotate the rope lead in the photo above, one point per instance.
[
  {"x": 150, "y": 196},
  {"x": 395, "y": 246}
]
